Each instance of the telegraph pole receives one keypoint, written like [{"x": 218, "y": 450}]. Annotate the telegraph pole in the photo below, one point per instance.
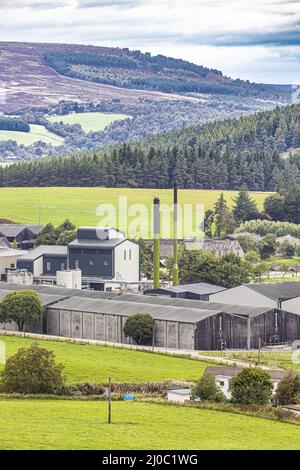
[{"x": 109, "y": 400}]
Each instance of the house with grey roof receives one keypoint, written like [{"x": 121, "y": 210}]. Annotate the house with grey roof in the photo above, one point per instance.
[
  {"x": 23, "y": 234},
  {"x": 224, "y": 375},
  {"x": 217, "y": 247}
]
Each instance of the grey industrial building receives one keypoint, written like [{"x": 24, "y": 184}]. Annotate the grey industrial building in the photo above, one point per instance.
[
  {"x": 179, "y": 323},
  {"x": 103, "y": 256},
  {"x": 197, "y": 291}
]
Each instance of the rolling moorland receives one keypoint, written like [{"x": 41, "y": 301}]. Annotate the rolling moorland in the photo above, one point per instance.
[{"x": 159, "y": 93}]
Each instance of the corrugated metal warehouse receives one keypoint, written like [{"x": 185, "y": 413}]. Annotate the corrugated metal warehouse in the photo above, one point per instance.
[{"x": 179, "y": 323}]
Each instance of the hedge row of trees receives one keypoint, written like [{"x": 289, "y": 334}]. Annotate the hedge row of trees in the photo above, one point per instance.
[
  {"x": 8, "y": 124},
  {"x": 225, "y": 155}
]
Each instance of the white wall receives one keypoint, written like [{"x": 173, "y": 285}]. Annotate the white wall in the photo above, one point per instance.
[
  {"x": 292, "y": 306},
  {"x": 243, "y": 295},
  {"x": 38, "y": 266},
  {"x": 128, "y": 269},
  {"x": 7, "y": 261},
  {"x": 177, "y": 397}
]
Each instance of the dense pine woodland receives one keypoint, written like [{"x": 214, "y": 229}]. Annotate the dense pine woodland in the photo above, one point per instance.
[
  {"x": 8, "y": 124},
  {"x": 221, "y": 155}
]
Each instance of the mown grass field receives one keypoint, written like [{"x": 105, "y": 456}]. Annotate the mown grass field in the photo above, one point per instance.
[
  {"x": 28, "y": 138},
  {"x": 90, "y": 122},
  {"x": 96, "y": 363},
  {"x": 80, "y": 205},
  {"x": 54, "y": 424},
  {"x": 274, "y": 359}
]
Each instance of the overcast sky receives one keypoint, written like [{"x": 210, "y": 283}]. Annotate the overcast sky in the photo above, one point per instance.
[{"x": 257, "y": 40}]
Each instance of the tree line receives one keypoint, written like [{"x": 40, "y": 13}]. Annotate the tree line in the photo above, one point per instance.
[
  {"x": 9, "y": 124},
  {"x": 222, "y": 155}
]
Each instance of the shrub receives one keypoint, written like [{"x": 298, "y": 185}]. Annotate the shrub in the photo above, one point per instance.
[
  {"x": 33, "y": 370},
  {"x": 139, "y": 327},
  {"x": 206, "y": 389},
  {"x": 288, "y": 391},
  {"x": 267, "y": 247},
  {"x": 251, "y": 386}
]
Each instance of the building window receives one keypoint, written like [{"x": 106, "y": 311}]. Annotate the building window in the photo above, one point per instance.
[
  {"x": 76, "y": 263},
  {"x": 124, "y": 255},
  {"x": 105, "y": 263},
  {"x": 91, "y": 262},
  {"x": 130, "y": 254},
  {"x": 48, "y": 266},
  {"x": 221, "y": 383},
  {"x": 12, "y": 266}
]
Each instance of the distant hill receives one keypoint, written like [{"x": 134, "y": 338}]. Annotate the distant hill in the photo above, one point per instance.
[
  {"x": 137, "y": 70},
  {"x": 36, "y": 74}
]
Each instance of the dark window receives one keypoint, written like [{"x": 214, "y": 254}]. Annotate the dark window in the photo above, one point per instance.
[
  {"x": 48, "y": 266},
  {"x": 91, "y": 262},
  {"x": 76, "y": 263}
]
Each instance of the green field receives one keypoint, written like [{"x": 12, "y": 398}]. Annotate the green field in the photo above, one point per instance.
[
  {"x": 90, "y": 122},
  {"x": 274, "y": 359},
  {"x": 96, "y": 363},
  {"x": 28, "y": 138},
  {"x": 45, "y": 424},
  {"x": 34, "y": 205}
]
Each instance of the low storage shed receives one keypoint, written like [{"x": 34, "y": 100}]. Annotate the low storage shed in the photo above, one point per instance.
[{"x": 104, "y": 320}]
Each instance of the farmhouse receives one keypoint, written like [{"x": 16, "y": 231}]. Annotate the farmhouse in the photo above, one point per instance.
[
  {"x": 215, "y": 246},
  {"x": 224, "y": 375}
]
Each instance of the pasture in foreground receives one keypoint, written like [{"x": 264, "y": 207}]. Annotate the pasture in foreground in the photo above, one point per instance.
[
  {"x": 55, "y": 204},
  {"x": 90, "y": 122},
  {"x": 89, "y": 363},
  {"x": 59, "y": 424}
]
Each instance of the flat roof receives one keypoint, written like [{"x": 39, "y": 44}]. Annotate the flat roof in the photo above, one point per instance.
[
  {"x": 12, "y": 252},
  {"x": 86, "y": 243},
  {"x": 41, "y": 250}
]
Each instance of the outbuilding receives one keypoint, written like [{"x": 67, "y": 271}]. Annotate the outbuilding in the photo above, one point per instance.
[{"x": 224, "y": 375}]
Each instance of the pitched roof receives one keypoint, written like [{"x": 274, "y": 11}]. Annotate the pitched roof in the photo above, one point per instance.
[
  {"x": 277, "y": 290},
  {"x": 12, "y": 230},
  {"x": 231, "y": 309},
  {"x": 113, "y": 307},
  {"x": 46, "y": 299},
  {"x": 233, "y": 371},
  {"x": 195, "y": 288},
  {"x": 4, "y": 243},
  {"x": 41, "y": 250}
]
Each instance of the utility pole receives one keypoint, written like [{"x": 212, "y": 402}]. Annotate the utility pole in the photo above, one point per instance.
[
  {"x": 156, "y": 250},
  {"x": 109, "y": 400}
]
